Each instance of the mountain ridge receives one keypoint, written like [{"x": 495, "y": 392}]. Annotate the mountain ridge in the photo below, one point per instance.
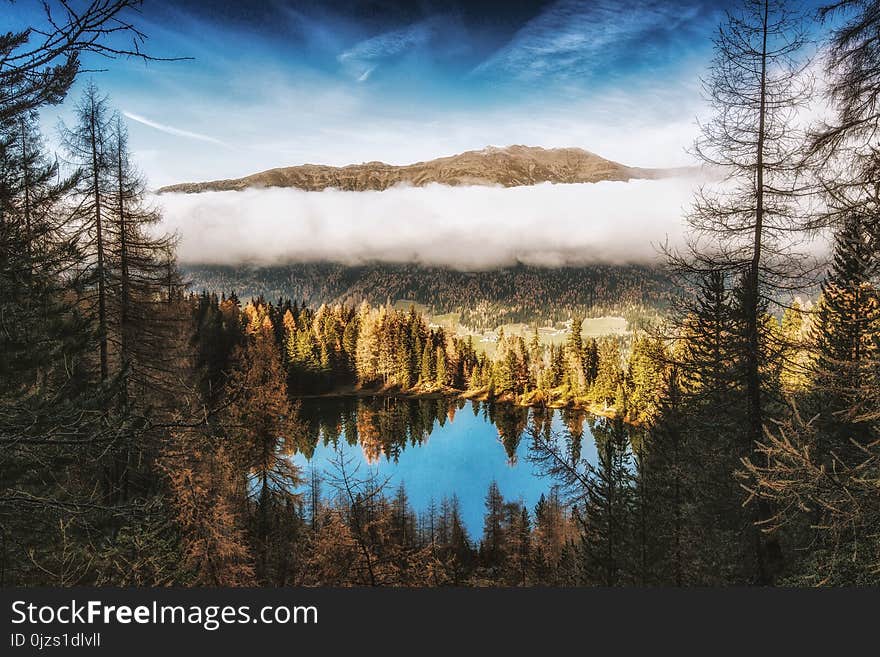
[{"x": 512, "y": 166}]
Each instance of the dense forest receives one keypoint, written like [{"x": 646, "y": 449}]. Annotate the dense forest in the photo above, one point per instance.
[
  {"x": 483, "y": 299},
  {"x": 342, "y": 349},
  {"x": 147, "y": 432}
]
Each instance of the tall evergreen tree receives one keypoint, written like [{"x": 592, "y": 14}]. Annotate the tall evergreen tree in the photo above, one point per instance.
[
  {"x": 846, "y": 336},
  {"x": 493, "y": 544},
  {"x": 88, "y": 145},
  {"x": 606, "y": 516},
  {"x": 749, "y": 228},
  {"x": 262, "y": 427}
]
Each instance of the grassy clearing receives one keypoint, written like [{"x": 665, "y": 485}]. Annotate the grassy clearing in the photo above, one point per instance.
[{"x": 593, "y": 327}]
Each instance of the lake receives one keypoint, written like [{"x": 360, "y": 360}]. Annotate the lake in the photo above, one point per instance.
[{"x": 437, "y": 447}]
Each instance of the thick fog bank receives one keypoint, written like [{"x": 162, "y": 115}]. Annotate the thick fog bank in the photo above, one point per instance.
[{"x": 463, "y": 227}]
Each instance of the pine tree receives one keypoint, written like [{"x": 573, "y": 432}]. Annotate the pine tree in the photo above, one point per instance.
[
  {"x": 591, "y": 361},
  {"x": 644, "y": 377},
  {"x": 403, "y": 518},
  {"x": 608, "y": 375},
  {"x": 846, "y": 338},
  {"x": 349, "y": 343},
  {"x": 665, "y": 481},
  {"x": 606, "y": 517},
  {"x": 440, "y": 359},
  {"x": 367, "y": 350},
  {"x": 493, "y": 545},
  {"x": 459, "y": 542},
  {"x": 749, "y": 229},
  {"x": 844, "y": 144},
  {"x": 830, "y": 513},
  {"x": 203, "y": 483},
  {"x": 519, "y": 544},
  {"x": 262, "y": 430},
  {"x": 710, "y": 341},
  {"x": 549, "y": 536},
  {"x": 87, "y": 144},
  {"x": 144, "y": 318},
  {"x": 536, "y": 359},
  {"x": 575, "y": 356},
  {"x": 429, "y": 364},
  {"x": 557, "y": 367},
  {"x": 708, "y": 359},
  {"x": 794, "y": 350}
]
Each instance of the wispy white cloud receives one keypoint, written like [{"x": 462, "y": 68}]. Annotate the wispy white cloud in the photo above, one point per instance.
[
  {"x": 390, "y": 43},
  {"x": 578, "y": 38},
  {"x": 364, "y": 57},
  {"x": 171, "y": 130},
  {"x": 363, "y": 77}
]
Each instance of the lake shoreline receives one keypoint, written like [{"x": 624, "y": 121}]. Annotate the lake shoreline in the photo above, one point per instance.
[{"x": 534, "y": 400}]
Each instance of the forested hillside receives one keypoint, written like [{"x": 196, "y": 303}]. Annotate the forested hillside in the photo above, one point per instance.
[{"x": 484, "y": 299}]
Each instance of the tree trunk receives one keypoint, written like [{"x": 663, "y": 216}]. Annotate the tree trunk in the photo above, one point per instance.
[
  {"x": 26, "y": 184},
  {"x": 102, "y": 301},
  {"x": 123, "y": 312},
  {"x": 753, "y": 353}
]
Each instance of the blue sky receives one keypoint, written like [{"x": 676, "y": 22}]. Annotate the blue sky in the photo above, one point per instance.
[{"x": 283, "y": 82}]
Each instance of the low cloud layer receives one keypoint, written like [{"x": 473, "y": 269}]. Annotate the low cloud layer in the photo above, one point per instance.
[{"x": 462, "y": 227}]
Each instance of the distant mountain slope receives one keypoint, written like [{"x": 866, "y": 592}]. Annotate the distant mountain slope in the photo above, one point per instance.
[
  {"x": 509, "y": 167},
  {"x": 483, "y": 299}
]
